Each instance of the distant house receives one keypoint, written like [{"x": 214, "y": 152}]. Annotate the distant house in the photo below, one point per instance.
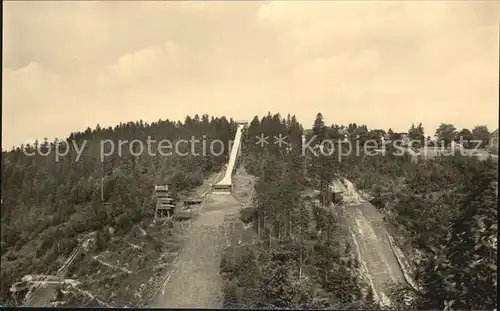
[
  {"x": 432, "y": 141},
  {"x": 493, "y": 144},
  {"x": 345, "y": 133},
  {"x": 403, "y": 137}
]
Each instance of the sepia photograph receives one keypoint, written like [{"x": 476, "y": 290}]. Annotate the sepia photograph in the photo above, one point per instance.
[{"x": 319, "y": 155}]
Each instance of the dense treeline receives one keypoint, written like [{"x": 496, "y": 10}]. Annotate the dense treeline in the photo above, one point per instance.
[
  {"x": 47, "y": 204},
  {"x": 302, "y": 259},
  {"x": 442, "y": 209},
  {"x": 445, "y": 210}
]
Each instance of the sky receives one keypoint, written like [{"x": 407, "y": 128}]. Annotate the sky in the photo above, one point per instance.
[{"x": 70, "y": 65}]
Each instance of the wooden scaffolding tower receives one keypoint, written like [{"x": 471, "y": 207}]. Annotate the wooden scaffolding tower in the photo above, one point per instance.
[{"x": 165, "y": 205}]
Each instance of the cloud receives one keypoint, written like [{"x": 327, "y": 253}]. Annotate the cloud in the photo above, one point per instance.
[
  {"x": 32, "y": 97},
  {"x": 29, "y": 90},
  {"x": 150, "y": 65},
  {"x": 387, "y": 64}
]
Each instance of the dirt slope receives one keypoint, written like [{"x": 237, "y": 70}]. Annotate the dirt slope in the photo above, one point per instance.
[
  {"x": 45, "y": 293},
  {"x": 377, "y": 259},
  {"x": 376, "y": 256},
  {"x": 195, "y": 281}
]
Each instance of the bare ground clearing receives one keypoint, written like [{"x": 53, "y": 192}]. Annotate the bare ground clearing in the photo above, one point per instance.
[{"x": 195, "y": 280}]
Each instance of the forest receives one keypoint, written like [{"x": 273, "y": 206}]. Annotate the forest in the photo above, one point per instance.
[
  {"x": 443, "y": 210},
  {"x": 48, "y": 205}
]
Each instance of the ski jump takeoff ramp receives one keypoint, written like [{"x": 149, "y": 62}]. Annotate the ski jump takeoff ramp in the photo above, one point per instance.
[{"x": 225, "y": 186}]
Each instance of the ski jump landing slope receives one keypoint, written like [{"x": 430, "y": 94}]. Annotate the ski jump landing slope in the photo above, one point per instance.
[{"x": 226, "y": 184}]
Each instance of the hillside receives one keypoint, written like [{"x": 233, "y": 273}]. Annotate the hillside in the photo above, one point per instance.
[
  {"x": 297, "y": 248},
  {"x": 49, "y": 205},
  {"x": 441, "y": 212}
]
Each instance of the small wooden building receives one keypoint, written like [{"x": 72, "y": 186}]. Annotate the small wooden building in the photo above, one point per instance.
[
  {"x": 165, "y": 205},
  {"x": 336, "y": 193},
  {"x": 336, "y": 196}
]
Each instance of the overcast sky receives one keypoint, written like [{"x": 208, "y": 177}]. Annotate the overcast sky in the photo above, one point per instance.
[{"x": 69, "y": 65}]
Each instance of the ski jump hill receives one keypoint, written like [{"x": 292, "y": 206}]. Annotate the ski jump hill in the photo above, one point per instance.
[{"x": 225, "y": 186}]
